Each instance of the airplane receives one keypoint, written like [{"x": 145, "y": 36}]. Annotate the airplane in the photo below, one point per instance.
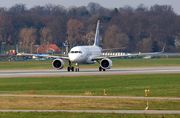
[{"x": 88, "y": 55}]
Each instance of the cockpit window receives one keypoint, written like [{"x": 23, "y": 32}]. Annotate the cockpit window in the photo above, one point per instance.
[{"x": 76, "y": 52}]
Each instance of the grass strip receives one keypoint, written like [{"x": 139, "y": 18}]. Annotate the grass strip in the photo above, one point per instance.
[
  {"x": 82, "y": 115},
  {"x": 54, "y": 103},
  {"x": 160, "y": 85}
]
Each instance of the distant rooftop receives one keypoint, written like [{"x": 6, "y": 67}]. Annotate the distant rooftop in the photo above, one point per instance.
[{"x": 48, "y": 48}]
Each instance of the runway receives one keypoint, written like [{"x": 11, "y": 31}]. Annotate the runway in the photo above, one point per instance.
[{"x": 89, "y": 71}]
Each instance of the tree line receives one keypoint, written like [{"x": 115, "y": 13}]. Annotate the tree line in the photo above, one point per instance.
[{"x": 139, "y": 29}]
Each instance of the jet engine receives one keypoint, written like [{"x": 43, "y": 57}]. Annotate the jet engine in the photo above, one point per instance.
[
  {"x": 106, "y": 63},
  {"x": 58, "y": 63}
]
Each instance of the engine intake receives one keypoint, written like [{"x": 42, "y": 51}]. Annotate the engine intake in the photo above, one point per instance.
[
  {"x": 106, "y": 63},
  {"x": 58, "y": 63}
]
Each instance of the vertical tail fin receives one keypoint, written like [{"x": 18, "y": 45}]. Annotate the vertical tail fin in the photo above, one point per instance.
[
  {"x": 17, "y": 48},
  {"x": 96, "y": 41}
]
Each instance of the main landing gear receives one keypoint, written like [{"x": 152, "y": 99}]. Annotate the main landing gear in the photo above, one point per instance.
[
  {"x": 71, "y": 68},
  {"x": 101, "y": 69}
]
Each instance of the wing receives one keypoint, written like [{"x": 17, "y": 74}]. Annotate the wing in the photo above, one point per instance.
[
  {"x": 38, "y": 55},
  {"x": 112, "y": 49},
  {"x": 126, "y": 55},
  {"x": 136, "y": 54}
]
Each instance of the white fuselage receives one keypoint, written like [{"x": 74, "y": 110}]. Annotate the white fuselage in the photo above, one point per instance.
[{"x": 84, "y": 54}]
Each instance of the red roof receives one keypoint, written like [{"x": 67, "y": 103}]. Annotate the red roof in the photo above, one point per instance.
[{"x": 47, "y": 47}]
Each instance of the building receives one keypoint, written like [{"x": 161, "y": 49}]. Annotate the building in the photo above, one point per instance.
[{"x": 48, "y": 48}]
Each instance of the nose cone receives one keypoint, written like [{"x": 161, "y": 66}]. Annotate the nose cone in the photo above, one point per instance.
[{"x": 75, "y": 58}]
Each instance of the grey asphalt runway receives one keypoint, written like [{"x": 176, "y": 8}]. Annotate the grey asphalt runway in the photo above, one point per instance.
[{"x": 89, "y": 71}]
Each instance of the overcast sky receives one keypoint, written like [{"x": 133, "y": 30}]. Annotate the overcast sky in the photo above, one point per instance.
[{"x": 104, "y": 3}]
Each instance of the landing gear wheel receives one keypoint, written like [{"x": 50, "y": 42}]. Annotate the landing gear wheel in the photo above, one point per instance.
[
  {"x": 104, "y": 69},
  {"x": 68, "y": 69},
  {"x": 77, "y": 69},
  {"x": 100, "y": 69},
  {"x": 72, "y": 69}
]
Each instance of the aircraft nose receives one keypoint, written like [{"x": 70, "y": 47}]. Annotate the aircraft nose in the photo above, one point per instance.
[
  {"x": 72, "y": 57},
  {"x": 75, "y": 58}
]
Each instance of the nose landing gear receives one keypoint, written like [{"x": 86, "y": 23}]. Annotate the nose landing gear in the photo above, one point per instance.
[
  {"x": 77, "y": 68},
  {"x": 71, "y": 68}
]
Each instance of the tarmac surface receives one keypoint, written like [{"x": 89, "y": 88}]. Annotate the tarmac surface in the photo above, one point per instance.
[{"x": 89, "y": 71}]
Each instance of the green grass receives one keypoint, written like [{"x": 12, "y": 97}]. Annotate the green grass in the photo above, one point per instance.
[
  {"x": 32, "y": 64},
  {"x": 145, "y": 62},
  {"x": 25, "y": 65},
  {"x": 115, "y": 85},
  {"x": 82, "y": 115},
  {"x": 123, "y": 85}
]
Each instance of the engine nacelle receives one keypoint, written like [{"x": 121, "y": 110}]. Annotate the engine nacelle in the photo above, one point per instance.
[
  {"x": 106, "y": 63},
  {"x": 58, "y": 63}
]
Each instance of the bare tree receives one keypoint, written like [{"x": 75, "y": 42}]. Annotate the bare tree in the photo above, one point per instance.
[
  {"x": 126, "y": 9},
  {"x": 46, "y": 35},
  {"x": 20, "y": 8},
  {"x": 145, "y": 45},
  {"x": 27, "y": 35},
  {"x": 114, "y": 38},
  {"x": 94, "y": 7},
  {"x": 75, "y": 32},
  {"x": 90, "y": 35},
  {"x": 141, "y": 8},
  {"x": 5, "y": 28}
]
